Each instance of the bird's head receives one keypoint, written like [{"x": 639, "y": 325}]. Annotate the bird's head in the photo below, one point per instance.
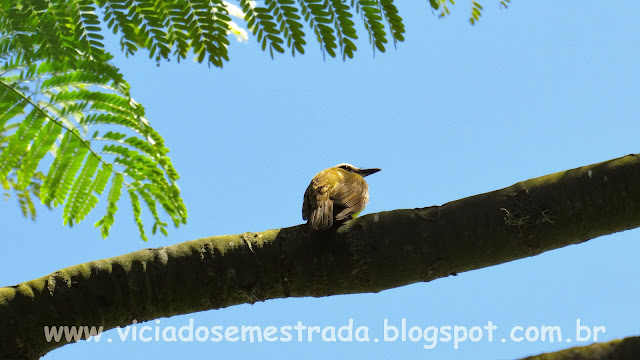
[{"x": 357, "y": 170}]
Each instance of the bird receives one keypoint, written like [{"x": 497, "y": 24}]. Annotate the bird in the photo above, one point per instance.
[{"x": 335, "y": 194}]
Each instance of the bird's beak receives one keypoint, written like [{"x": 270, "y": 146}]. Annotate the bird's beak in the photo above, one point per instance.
[{"x": 366, "y": 172}]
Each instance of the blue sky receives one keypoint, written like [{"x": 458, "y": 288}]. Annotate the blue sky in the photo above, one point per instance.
[{"x": 455, "y": 111}]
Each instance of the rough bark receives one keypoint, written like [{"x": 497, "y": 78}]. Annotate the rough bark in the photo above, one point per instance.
[
  {"x": 369, "y": 254},
  {"x": 623, "y": 349}
]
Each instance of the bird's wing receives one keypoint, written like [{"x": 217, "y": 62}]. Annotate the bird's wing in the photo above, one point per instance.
[
  {"x": 351, "y": 198},
  {"x": 351, "y": 210},
  {"x": 317, "y": 207}
]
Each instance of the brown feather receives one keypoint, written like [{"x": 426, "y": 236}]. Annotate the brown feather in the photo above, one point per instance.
[{"x": 322, "y": 216}]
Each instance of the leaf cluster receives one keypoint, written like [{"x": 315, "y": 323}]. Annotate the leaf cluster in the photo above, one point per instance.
[{"x": 59, "y": 95}]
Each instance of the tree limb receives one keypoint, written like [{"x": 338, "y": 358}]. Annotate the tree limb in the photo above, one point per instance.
[{"x": 621, "y": 349}]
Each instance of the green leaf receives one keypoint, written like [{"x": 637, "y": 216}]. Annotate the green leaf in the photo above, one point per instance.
[
  {"x": 80, "y": 191},
  {"x": 107, "y": 220},
  {"x": 137, "y": 212},
  {"x": 41, "y": 145}
]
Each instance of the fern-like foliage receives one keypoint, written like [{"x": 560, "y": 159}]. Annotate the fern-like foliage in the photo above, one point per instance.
[
  {"x": 60, "y": 96},
  {"x": 476, "y": 9},
  {"x": 175, "y": 28}
]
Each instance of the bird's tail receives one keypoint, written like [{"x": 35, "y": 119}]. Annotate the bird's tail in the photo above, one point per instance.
[{"x": 322, "y": 216}]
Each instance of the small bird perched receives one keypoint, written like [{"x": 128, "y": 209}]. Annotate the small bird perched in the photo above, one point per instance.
[{"x": 335, "y": 193}]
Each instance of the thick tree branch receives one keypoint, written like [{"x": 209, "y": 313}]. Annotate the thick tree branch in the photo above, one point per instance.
[
  {"x": 369, "y": 254},
  {"x": 622, "y": 349}
]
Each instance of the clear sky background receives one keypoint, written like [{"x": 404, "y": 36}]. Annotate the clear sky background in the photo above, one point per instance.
[{"x": 455, "y": 111}]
